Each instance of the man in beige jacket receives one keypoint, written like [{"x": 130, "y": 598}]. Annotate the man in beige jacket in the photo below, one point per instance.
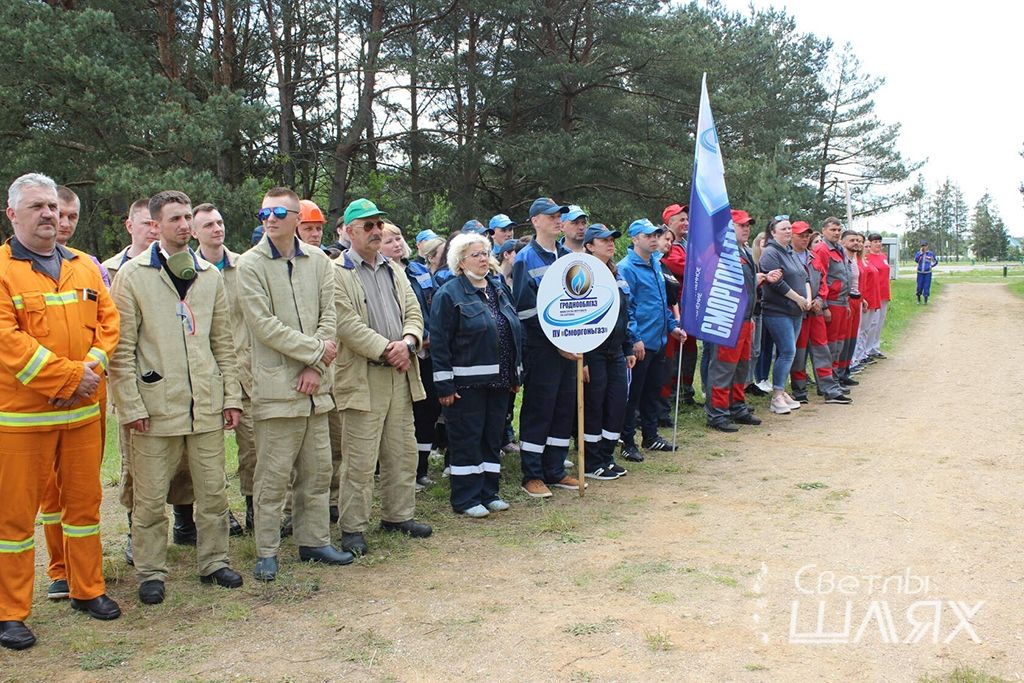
[
  {"x": 175, "y": 386},
  {"x": 287, "y": 297},
  {"x": 380, "y": 327}
]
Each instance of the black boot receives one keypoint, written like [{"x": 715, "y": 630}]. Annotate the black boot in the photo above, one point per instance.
[
  {"x": 184, "y": 532},
  {"x": 250, "y": 516}
]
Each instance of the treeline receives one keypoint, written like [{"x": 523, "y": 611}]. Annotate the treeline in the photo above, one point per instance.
[
  {"x": 953, "y": 231},
  {"x": 439, "y": 110}
]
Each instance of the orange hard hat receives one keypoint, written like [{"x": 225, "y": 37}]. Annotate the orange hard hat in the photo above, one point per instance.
[{"x": 309, "y": 212}]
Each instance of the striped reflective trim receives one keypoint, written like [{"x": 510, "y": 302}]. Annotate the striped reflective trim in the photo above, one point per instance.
[
  {"x": 538, "y": 272},
  {"x": 552, "y": 441},
  {"x": 464, "y": 470},
  {"x": 443, "y": 376},
  {"x": 50, "y": 298},
  {"x": 17, "y": 546},
  {"x": 49, "y": 517},
  {"x": 624, "y": 286},
  {"x": 100, "y": 355},
  {"x": 613, "y": 436},
  {"x": 531, "y": 447},
  {"x": 40, "y": 358},
  {"x": 528, "y": 313},
  {"x": 425, "y": 280},
  {"x": 472, "y": 370},
  {"x": 592, "y": 438},
  {"x": 50, "y": 419},
  {"x": 424, "y": 446},
  {"x": 72, "y": 531}
]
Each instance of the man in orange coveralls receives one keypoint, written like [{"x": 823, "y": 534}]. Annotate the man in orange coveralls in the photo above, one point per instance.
[{"x": 58, "y": 327}]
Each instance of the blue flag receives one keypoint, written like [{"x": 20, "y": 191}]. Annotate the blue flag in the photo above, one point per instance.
[{"x": 713, "y": 299}]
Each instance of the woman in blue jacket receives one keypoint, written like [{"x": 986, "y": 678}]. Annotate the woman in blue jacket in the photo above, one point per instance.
[
  {"x": 476, "y": 344},
  {"x": 604, "y": 370}
]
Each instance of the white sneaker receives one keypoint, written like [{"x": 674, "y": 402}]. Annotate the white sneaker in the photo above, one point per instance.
[
  {"x": 477, "y": 511},
  {"x": 497, "y": 505},
  {"x": 793, "y": 405},
  {"x": 779, "y": 406},
  {"x": 765, "y": 386},
  {"x": 568, "y": 463}
]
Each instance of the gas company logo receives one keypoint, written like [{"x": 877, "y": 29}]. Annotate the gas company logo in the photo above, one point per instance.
[{"x": 579, "y": 280}]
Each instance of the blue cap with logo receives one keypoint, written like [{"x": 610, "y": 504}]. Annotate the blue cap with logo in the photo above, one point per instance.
[
  {"x": 473, "y": 225},
  {"x": 505, "y": 247},
  {"x": 424, "y": 235},
  {"x": 573, "y": 213},
  {"x": 599, "y": 231},
  {"x": 643, "y": 226},
  {"x": 499, "y": 222},
  {"x": 546, "y": 205}
]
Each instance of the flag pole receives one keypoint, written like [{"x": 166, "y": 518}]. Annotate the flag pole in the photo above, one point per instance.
[
  {"x": 580, "y": 443},
  {"x": 679, "y": 378}
]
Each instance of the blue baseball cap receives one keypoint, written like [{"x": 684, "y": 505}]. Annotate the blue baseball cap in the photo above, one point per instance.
[
  {"x": 505, "y": 247},
  {"x": 643, "y": 226},
  {"x": 424, "y": 235},
  {"x": 473, "y": 225},
  {"x": 257, "y": 234},
  {"x": 599, "y": 231},
  {"x": 500, "y": 221},
  {"x": 546, "y": 205},
  {"x": 573, "y": 213}
]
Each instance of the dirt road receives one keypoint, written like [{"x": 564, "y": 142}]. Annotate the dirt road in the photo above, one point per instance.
[{"x": 706, "y": 565}]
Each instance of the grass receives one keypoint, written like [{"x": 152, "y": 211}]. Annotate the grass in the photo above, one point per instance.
[
  {"x": 963, "y": 674},
  {"x": 658, "y": 641},
  {"x": 1016, "y": 288}
]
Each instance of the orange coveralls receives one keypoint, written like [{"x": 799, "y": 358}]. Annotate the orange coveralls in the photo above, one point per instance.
[{"x": 48, "y": 331}]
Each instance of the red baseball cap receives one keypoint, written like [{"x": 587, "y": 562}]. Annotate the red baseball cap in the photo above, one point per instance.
[
  {"x": 741, "y": 217},
  {"x": 673, "y": 210},
  {"x": 800, "y": 227}
]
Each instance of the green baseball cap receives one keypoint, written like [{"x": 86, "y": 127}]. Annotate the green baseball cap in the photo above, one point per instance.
[{"x": 361, "y": 208}]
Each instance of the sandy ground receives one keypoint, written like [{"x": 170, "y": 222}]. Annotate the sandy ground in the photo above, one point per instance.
[{"x": 706, "y": 565}]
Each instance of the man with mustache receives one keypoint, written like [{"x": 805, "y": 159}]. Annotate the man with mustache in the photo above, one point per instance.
[
  {"x": 380, "y": 328},
  {"x": 175, "y": 386},
  {"x": 57, "y": 330}
]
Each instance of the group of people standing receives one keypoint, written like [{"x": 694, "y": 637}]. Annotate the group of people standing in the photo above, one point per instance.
[{"x": 344, "y": 364}]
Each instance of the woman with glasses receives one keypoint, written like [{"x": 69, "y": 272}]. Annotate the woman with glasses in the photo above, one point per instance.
[
  {"x": 476, "y": 344},
  {"x": 783, "y": 304}
]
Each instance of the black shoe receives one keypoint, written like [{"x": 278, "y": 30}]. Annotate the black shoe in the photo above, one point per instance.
[
  {"x": 58, "y": 590},
  {"x": 879, "y": 356},
  {"x": 664, "y": 422},
  {"x": 849, "y": 382},
  {"x": 234, "y": 528},
  {"x": 225, "y": 577},
  {"x": 409, "y": 527},
  {"x": 14, "y": 635},
  {"x": 621, "y": 471},
  {"x": 286, "y": 527},
  {"x": 602, "y": 473},
  {"x": 723, "y": 426},
  {"x": 266, "y": 569},
  {"x": 838, "y": 398},
  {"x": 802, "y": 398},
  {"x": 326, "y": 554},
  {"x": 354, "y": 543},
  {"x": 754, "y": 390},
  {"x": 334, "y": 513},
  {"x": 250, "y": 516},
  {"x": 102, "y": 607},
  {"x": 151, "y": 592},
  {"x": 748, "y": 419},
  {"x": 184, "y": 531},
  {"x": 632, "y": 453},
  {"x": 658, "y": 444}
]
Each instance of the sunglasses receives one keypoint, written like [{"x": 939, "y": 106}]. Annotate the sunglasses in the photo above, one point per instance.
[
  {"x": 280, "y": 213},
  {"x": 370, "y": 225},
  {"x": 782, "y": 217}
]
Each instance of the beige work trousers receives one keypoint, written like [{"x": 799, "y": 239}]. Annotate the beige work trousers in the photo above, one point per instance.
[
  {"x": 295, "y": 449},
  {"x": 385, "y": 432},
  {"x": 180, "y": 491},
  {"x": 154, "y": 462},
  {"x": 246, "y": 448}
]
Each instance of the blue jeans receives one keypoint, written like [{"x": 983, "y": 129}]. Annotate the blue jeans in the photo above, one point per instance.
[{"x": 784, "y": 330}]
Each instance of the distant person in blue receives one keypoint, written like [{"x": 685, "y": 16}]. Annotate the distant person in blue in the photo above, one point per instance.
[{"x": 926, "y": 260}]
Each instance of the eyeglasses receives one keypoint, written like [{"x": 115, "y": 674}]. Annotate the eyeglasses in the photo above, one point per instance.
[
  {"x": 782, "y": 217},
  {"x": 477, "y": 254},
  {"x": 280, "y": 212},
  {"x": 370, "y": 225}
]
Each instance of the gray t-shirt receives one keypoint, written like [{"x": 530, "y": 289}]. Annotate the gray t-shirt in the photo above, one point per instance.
[{"x": 381, "y": 298}]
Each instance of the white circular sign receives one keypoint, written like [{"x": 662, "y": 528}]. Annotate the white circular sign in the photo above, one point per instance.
[{"x": 578, "y": 303}]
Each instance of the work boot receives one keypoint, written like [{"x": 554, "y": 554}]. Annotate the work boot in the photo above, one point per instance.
[
  {"x": 250, "y": 516},
  {"x": 234, "y": 528},
  {"x": 184, "y": 531},
  {"x": 225, "y": 577},
  {"x": 327, "y": 554},
  {"x": 286, "y": 527},
  {"x": 14, "y": 635},
  {"x": 266, "y": 569},
  {"x": 101, "y": 607},
  {"x": 151, "y": 592},
  {"x": 354, "y": 543}
]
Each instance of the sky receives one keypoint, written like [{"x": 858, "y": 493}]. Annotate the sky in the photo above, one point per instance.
[{"x": 954, "y": 74}]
